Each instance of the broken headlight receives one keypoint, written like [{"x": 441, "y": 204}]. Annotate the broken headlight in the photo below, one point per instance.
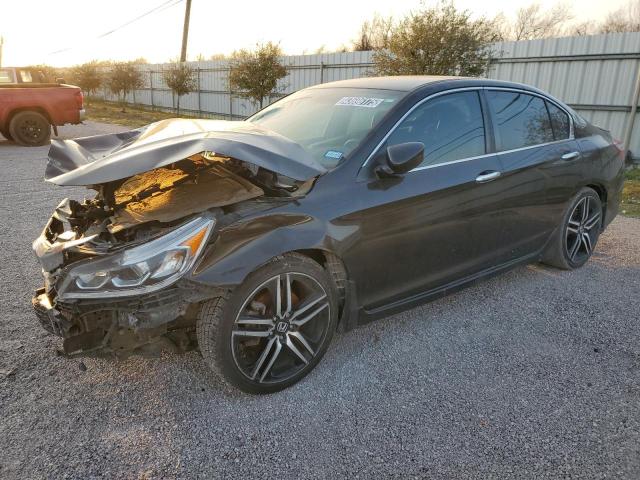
[{"x": 140, "y": 269}]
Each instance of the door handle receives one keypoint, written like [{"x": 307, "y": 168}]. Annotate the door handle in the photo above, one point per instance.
[
  {"x": 570, "y": 155},
  {"x": 485, "y": 177}
]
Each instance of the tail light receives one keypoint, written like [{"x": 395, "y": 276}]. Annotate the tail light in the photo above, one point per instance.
[
  {"x": 619, "y": 144},
  {"x": 79, "y": 99}
]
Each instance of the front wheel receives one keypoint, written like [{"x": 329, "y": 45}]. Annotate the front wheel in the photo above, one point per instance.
[
  {"x": 576, "y": 237},
  {"x": 273, "y": 329}
]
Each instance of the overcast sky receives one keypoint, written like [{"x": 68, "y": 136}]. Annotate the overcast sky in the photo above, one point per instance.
[{"x": 33, "y": 30}]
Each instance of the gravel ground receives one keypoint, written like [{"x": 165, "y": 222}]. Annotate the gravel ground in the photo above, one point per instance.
[{"x": 535, "y": 373}]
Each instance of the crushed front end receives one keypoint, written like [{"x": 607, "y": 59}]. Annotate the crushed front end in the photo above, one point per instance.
[
  {"x": 115, "y": 296},
  {"x": 116, "y": 266}
]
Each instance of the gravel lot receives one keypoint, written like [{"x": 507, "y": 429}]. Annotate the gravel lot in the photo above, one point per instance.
[{"x": 535, "y": 373}]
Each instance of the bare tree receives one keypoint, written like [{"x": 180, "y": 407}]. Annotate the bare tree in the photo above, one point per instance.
[
  {"x": 439, "y": 40},
  {"x": 588, "y": 27},
  {"x": 374, "y": 34},
  {"x": 180, "y": 78},
  {"x": 533, "y": 22},
  {"x": 625, "y": 19},
  {"x": 256, "y": 73}
]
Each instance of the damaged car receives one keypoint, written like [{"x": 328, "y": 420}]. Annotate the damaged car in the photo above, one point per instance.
[{"x": 256, "y": 240}]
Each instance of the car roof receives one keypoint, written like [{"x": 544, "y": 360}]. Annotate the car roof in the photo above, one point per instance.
[{"x": 407, "y": 83}]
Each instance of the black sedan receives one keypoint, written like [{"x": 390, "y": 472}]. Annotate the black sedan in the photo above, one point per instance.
[{"x": 336, "y": 205}]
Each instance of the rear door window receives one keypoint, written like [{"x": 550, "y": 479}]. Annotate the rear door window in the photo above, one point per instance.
[
  {"x": 521, "y": 120},
  {"x": 450, "y": 126},
  {"x": 559, "y": 122}
]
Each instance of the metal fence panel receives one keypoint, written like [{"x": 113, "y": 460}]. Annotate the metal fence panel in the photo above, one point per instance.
[{"x": 596, "y": 75}]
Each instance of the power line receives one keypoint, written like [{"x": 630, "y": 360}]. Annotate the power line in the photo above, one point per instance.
[
  {"x": 153, "y": 10},
  {"x": 163, "y": 6}
]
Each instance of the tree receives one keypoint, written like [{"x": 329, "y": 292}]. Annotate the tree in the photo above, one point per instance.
[
  {"x": 124, "y": 78},
  {"x": 438, "y": 40},
  {"x": 624, "y": 19},
  {"x": 374, "y": 34},
  {"x": 88, "y": 76},
  {"x": 181, "y": 80},
  {"x": 533, "y": 22},
  {"x": 47, "y": 73},
  {"x": 256, "y": 73}
]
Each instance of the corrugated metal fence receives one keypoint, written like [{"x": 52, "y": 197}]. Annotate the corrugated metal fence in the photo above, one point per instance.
[
  {"x": 214, "y": 99},
  {"x": 596, "y": 75}
]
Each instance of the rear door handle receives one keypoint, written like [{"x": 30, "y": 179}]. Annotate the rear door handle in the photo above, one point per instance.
[
  {"x": 570, "y": 155},
  {"x": 485, "y": 177}
]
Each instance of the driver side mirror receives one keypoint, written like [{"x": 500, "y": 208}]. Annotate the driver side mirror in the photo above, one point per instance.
[{"x": 401, "y": 158}]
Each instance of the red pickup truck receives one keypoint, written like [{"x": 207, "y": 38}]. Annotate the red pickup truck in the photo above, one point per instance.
[{"x": 30, "y": 104}]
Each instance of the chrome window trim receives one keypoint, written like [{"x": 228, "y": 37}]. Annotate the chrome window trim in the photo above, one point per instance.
[
  {"x": 489, "y": 155},
  {"x": 466, "y": 89}
]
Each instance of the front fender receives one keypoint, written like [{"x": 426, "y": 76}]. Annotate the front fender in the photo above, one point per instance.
[{"x": 244, "y": 246}]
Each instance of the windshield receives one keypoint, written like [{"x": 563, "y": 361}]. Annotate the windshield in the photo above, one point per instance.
[{"x": 328, "y": 122}]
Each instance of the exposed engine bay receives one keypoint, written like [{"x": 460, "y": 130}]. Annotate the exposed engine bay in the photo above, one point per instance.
[{"x": 113, "y": 264}]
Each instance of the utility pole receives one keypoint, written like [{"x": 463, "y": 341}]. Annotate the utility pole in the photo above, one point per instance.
[
  {"x": 1, "y": 43},
  {"x": 185, "y": 32}
]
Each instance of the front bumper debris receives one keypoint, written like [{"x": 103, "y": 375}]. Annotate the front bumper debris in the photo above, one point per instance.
[
  {"x": 50, "y": 318},
  {"x": 164, "y": 319}
]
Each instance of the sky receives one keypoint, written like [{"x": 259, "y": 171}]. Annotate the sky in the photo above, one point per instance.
[{"x": 68, "y": 32}]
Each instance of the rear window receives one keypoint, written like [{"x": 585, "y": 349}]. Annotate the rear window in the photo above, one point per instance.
[
  {"x": 25, "y": 76},
  {"x": 521, "y": 120},
  {"x": 6, "y": 76}
]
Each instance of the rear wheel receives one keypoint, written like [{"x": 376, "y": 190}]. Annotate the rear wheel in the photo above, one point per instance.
[
  {"x": 30, "y": 129},
  {"x": 274, "y": 328},
  {"x": 574, "y": 241},
  {"x": 6, "y": 134}
]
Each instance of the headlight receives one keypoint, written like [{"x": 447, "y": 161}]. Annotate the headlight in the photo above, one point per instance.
[{"x": 141, "y": 269}]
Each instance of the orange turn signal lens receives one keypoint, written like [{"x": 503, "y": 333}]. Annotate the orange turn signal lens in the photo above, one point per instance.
[{"x": 195, "y": 241}]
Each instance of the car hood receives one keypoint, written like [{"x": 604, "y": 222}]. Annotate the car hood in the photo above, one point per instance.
[{"x": 105, "y": 158}]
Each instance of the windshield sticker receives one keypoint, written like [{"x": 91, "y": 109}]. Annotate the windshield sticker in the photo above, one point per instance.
[
  {"x": 333, "y": 154},
  {"x": 360, "y": 102}
]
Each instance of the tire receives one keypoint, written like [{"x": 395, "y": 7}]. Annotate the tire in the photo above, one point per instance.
[
  {"x": 575, "y": 239},
  {"x": 30, "y": 129},
  {"x": 6, "y": 135},
  {"x": 249, "y": 345}
]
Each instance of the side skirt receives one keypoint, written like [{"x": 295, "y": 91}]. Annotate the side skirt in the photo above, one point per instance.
[{"x": 366, "y": 316}]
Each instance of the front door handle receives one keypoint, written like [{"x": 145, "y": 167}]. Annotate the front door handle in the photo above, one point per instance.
[
  {"x": 485, "y": 177},
  {"x": 570, "y": 155}
]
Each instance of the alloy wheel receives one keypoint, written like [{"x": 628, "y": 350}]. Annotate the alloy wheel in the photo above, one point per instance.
[
  {"x": 280, "y": 328},
  {"x": 583, "y": 229}
]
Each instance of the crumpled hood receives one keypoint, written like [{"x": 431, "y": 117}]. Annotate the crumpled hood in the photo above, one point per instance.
[{"x": 105, "y": 158}]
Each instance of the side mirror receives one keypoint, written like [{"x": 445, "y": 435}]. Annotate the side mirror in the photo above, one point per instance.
[{"x": 401, "y": 158}]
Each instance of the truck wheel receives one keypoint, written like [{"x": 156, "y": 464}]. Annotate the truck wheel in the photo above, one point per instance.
[
  {"x": 30, "y": 129},
  {"x": 6, "y": 134}
]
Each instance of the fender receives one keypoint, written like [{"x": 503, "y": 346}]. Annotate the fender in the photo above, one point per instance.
[{"x": 244, "y": 246}]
